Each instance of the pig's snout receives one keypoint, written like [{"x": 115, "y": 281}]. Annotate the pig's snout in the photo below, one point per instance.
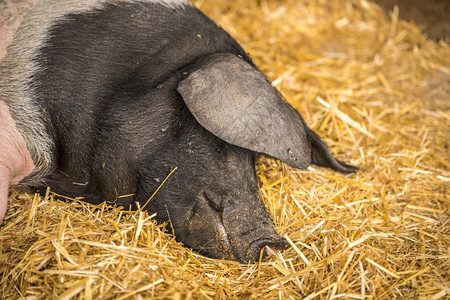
[
  {"x": 261, "y": 245},
  {"x": 229, "y": 229}
]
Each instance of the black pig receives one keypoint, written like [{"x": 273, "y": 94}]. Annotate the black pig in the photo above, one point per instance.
[{"x": 104, "y": 98}]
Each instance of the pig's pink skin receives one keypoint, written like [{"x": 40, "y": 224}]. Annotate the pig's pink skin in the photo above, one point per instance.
[
  {"x": 11, "y": 15},
  {"x": 15, "y": 159}
]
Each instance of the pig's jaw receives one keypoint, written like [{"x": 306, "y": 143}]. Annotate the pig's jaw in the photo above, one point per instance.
[{"x": 15, "y": 158}]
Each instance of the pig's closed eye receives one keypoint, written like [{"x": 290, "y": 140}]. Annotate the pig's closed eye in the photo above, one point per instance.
[{"x": 214, "y": 199}]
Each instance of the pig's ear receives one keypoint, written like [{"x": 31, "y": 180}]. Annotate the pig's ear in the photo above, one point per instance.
[{"x": 235, "y": 102}]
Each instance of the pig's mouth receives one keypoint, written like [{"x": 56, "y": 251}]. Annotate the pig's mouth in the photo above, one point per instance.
[
  {"x": 220, "y": 232},
  {"x": 223, "y": 235}
]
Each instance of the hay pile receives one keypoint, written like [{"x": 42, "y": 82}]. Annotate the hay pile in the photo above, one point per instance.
[{"x": 376, "y": 89}]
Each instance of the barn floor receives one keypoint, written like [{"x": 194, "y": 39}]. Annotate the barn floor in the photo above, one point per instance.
[{"x": 375, "y": 88}]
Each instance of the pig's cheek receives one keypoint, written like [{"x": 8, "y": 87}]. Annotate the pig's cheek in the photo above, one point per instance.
[{"x": 15, "y": 159}]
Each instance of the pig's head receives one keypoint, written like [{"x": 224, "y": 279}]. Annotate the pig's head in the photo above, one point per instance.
[{"x": 212, "y": 200}]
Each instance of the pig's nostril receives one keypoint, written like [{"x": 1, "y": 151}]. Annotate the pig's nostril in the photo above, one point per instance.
[
  {"x": 267, "y": 251},
  {"x": 261, "y": 245}
]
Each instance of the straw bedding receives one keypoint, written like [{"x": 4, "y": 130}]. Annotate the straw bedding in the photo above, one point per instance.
[{"x": 375, "y": 88}]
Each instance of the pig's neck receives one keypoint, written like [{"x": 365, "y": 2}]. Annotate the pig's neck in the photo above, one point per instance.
[{"x": 15, "y": 159}]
